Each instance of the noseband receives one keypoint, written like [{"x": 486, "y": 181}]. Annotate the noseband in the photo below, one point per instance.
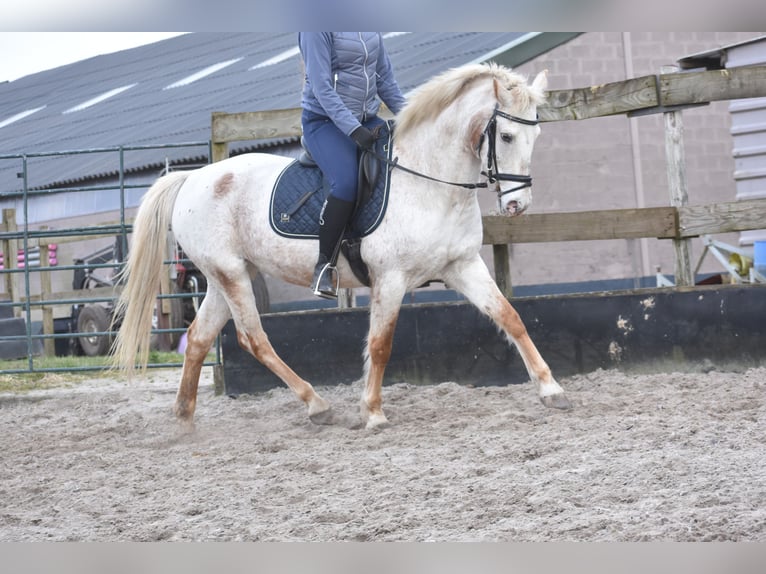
[{"x": 492, "y": 173}]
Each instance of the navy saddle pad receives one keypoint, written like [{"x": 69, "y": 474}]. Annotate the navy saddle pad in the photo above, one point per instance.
[{"x": 300, "y": 191}]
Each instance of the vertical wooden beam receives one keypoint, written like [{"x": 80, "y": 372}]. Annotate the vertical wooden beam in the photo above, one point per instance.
[
  {"x": 169, "y": 273},
  {"x": 164, "y": 306},
  {"x": 501, "y": 257},
  {"x": 676, "y": 166},
  {"x": 220, "y": 147},
  {"x": 10, "y": 247},
  {"x": 220, "y": 151},
  {"x": 346, "y": 298},
  {"x": 219, "y": 379},
  {"x": 46, "y": 291}
]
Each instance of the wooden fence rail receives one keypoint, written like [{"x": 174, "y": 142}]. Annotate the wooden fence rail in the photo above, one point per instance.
[
  {"x": 655, "y": 222},
  {"x": 647, "y": 94},
  {"x": 655, "y": 93}
]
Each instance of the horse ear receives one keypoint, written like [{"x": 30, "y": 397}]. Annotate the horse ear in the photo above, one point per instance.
[{"x": 541, "y": 81}]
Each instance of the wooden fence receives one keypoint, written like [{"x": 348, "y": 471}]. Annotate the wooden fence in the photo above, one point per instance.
[
  {"x": 647, "y": 94},
  {"x": 665, "y": 93}
]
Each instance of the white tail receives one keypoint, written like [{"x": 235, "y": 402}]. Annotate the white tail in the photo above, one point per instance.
[{"x": 143, "y": 271}]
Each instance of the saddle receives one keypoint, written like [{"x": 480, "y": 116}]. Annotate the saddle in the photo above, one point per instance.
[
  {"x": 369, "y": 171},
  {"x": 300, "y": 191}
]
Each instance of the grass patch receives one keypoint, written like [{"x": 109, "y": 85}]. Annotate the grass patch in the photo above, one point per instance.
[
  {"x": 22, "y": 383},
  {"x": 72, "y": 370}
]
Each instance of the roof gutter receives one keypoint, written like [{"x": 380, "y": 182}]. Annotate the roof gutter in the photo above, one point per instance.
[{"x": 526, "y": 48}]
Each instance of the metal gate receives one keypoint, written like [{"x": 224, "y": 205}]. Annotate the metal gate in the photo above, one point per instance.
[{"x": 63, "y": 241}]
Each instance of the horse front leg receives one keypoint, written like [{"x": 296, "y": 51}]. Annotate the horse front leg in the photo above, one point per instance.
[
  {"x": 474, "y": 281},
  {"x": 385, "y": 303}
]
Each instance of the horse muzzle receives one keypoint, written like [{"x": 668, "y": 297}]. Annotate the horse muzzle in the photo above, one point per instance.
[{"x": 514, "y": 203}]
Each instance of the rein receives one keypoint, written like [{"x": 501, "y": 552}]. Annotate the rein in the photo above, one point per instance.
[{"x": 492, "y": 173}]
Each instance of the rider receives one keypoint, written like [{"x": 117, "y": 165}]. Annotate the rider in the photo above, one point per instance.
[{"x": 346, "y": 74}]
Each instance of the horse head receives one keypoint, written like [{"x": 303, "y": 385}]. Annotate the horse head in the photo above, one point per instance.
[
  {"x": 499, "y": 135},
  {"x": 505, "y": 143}
]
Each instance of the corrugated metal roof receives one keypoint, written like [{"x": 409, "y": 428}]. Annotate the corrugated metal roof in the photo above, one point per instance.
[{"x": 150, "y": 113}]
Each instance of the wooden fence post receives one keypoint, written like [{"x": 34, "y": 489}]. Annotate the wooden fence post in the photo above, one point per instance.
[
  {"x": 10, "y": 247},
  {"x": 46, "y": 289},
  {"x": 220, "y": 151},
  {"x": 502, "y": 269},
  {"x": 676, "y": 166}
]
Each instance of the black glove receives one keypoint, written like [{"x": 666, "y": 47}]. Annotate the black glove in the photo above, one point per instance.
[{"x": 363, "y": 137}]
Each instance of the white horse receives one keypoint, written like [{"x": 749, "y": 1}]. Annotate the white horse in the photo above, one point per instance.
[{"x": 476, "y": 123}]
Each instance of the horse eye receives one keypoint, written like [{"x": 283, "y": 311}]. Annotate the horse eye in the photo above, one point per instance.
[{"x": 507, "y": 138}]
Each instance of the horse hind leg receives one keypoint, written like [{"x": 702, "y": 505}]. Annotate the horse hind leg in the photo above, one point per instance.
[
  {"x": 210, "y": 319},
  {"x": 256, "y": 342},
  {"x": 238, "y": 292}
]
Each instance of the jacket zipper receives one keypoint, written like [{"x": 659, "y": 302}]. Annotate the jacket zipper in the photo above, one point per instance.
[{"x": 367, "y": 78}]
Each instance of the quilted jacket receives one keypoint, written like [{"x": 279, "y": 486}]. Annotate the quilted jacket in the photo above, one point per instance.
[{"x": 346, "y": 76}]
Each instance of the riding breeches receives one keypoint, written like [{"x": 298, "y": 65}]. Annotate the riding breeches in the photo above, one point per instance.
[{"x": 334, "y": 152}]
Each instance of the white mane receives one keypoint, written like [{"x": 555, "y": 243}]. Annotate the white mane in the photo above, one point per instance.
[{"x": 433, "y": 97}]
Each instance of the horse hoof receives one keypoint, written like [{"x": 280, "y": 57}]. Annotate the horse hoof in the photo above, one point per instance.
[
  {"x": 557, "y": 401},
  {"x": 320, "y": 412},
  {"x": 186, "y": 425},
  {"x": 377, "y": 421},
  {"x": 322, "y": 418}
]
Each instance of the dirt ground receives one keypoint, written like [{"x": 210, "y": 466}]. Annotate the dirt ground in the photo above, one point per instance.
[{"x": 641, "y": 457}]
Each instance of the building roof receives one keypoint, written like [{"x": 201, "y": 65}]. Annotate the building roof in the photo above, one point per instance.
[
  {"x": 715, "y": 59},
  {"x": 165, "y": 93}
]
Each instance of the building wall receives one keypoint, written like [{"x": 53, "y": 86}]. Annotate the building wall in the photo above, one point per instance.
[
  {"x": 748, "y": 128},
  {"x": 617, "y": 162}
]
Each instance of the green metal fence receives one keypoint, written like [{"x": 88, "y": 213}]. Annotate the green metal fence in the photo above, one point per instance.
[{"x": 21, "y": 243}]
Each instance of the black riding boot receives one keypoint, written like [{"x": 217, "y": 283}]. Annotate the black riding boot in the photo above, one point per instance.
[{"x": 332, "y": 223}]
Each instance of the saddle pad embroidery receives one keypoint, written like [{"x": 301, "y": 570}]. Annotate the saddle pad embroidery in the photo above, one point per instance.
[{"x": 296, "y": 181}]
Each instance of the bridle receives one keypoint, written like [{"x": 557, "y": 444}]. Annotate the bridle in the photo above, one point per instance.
[{"x": 492, "y": 173}]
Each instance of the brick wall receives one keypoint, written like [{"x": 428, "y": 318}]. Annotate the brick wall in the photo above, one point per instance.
[{"x": 583, "y": 165}]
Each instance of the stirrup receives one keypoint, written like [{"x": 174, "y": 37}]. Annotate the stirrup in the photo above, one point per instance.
[{"x": 323, "y": 286}]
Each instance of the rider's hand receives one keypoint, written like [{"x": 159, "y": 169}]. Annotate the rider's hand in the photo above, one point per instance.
[{"x": 363, "y": 137}]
